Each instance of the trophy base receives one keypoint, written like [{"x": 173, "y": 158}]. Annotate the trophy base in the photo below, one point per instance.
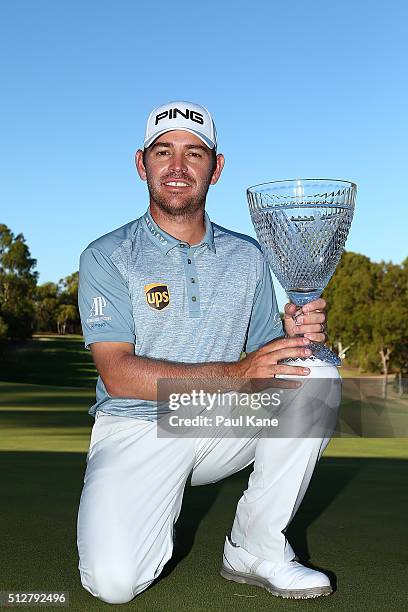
[{"x": 319, "y": 353}]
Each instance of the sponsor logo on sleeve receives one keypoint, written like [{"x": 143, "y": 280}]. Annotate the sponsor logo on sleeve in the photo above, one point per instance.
[
  {"x": 157, "y": 295},
  {"x": 97, "y": 318},
  {"x": 98, "y": 304}
]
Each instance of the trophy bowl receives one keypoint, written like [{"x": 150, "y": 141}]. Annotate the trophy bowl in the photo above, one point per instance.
[{"x": 302, "y": 226}]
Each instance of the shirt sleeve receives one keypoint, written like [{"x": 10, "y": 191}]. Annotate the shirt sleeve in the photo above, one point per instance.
[
  {"x": 104, "y": 303},
  {"x": 265, "y": 323}
]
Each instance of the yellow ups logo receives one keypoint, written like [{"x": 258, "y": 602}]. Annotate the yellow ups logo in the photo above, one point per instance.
[{"x": 157, "y": 295}]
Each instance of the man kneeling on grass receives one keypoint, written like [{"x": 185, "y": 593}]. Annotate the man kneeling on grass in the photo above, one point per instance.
[{"x": 155, "y": 303}]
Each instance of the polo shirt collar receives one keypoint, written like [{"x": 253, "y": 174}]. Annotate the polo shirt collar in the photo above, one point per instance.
[
  {"x": 209, "y": 234},
  {"x": 165, "y": 242}
]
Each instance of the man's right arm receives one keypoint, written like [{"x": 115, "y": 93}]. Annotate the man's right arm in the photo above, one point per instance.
[
  {"x": 127, "y": 375},
  {"x": 108, "y": 327}
]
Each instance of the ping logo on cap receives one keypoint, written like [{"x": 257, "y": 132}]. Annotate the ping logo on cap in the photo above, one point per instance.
[
  {"x": 173, "y": 112},
  {"x": 157, "y": 296},
  {"x": 181, "y": 115}
]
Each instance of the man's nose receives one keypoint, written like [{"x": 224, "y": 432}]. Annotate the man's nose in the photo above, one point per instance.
[{"x": 178, "y": 162}]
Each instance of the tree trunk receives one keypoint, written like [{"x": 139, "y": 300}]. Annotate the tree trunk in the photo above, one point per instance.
[
  {"x": 5, "y": 292},
  {"x": 342, "y": 351},
  {"x": 385, "y": 357}
]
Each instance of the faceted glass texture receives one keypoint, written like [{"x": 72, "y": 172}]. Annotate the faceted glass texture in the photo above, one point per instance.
[{"x": 302, "y": 227}]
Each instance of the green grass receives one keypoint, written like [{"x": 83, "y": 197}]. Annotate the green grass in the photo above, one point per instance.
[
  {"x": 352, "y": 521},
  {"x": 42, "y": 418},
  {"x": 48, "y": 418},
  {"x": 49, "y": 360},
  {"x": 47, "y": 386}
]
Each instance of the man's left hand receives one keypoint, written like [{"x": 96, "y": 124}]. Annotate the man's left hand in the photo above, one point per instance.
[{"x": 309, "y": 320}]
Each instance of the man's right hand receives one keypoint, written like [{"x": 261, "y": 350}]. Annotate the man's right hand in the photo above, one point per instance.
[{"x": 263, "y": 363}]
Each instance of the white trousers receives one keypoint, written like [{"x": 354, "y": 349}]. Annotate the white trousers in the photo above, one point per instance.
[{"x": 134, "y": 484}]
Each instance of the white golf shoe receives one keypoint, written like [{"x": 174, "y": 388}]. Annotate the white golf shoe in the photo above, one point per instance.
[{"x": 288, "y": 579}]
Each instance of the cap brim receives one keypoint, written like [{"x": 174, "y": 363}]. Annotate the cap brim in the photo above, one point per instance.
[{"x": 210, "y": 144}]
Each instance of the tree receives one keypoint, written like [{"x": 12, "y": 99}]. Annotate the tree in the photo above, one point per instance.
[
  {"x": 349, "y": 295},
  {"x": 47, "y": 301},
  {"x": 3, "y": 336},
  {"x": 368, "y": 312},
  {"x": 17, "y": 284},
  {"x": 69, "y": 296},
  {"x": 69, "y": 289},
  {"x": 67, "y": 313},
  {"x": 389, "y": 317},
  {"x": 3, "y": 329}
]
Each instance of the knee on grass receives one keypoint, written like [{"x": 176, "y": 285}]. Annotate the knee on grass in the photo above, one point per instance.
[{"x": 114, "y": 586}]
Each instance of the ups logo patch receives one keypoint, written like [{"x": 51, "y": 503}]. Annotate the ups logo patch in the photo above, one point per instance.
[{"x": 157, "y": 296}]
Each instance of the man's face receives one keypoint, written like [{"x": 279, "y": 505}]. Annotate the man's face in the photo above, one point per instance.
[{"x": 178, "y": 168}]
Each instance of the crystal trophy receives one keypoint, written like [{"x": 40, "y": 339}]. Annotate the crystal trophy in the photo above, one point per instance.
[{"x": 302, "y": 227}]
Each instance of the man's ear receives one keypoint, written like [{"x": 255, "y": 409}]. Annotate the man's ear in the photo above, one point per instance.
[
  {"x": 140, "y": 167},
  {"x": 218, "y": 169}
]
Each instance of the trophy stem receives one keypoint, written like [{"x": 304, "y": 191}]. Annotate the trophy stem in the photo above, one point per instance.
[
  {"x": 320, "y": 352},
  {"x": 301, "y": 296}
]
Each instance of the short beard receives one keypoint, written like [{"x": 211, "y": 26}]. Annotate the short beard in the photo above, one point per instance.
[{"x": 187, "y": 210}]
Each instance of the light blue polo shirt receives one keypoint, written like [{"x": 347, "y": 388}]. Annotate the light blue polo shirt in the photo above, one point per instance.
[{"x": 174, "y": 302}]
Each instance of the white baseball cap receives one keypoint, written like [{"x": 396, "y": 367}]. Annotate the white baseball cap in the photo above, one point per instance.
[{"x": 180, "y": 115}]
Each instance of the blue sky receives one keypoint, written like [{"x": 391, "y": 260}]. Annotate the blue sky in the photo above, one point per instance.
[{"x": 299, "y": 89}]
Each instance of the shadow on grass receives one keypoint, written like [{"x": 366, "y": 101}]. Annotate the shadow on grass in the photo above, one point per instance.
[
  {"x": 33, "y": 477},
  {"x": 60, "y": 361},
  {"x": 14, "y": 397},
  {"x": 199, "y": 500},
  {"x": 40, "y": 497},
  {"x": 197, "y": 503},
  {"x": 45, "y": 419},
  {"x": 322, "y": 492}
]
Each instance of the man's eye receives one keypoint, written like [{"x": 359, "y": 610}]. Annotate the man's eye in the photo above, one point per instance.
[
  {"x": 194, "y": 154},
  {"x": 162, "y": 152}
]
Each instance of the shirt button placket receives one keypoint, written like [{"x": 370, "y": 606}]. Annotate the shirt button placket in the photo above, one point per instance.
[{"x": 192, "y": 285}]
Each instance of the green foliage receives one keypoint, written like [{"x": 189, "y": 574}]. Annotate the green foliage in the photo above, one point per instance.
[
  {"x": 69, "y": 289},
  {"x": 67, "y": 313},
  {"x": 368, "y": 310},
  {"x": 3, "y": 329},
  {"x": 25, "y": 306},
  {"x": 69, "y": 316},
  {"x": 56, "y": 306},
  {"x": 17, "y": 284},
  {"x": 349, "y": 294},
  {"x": 46, "y": 306}
]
